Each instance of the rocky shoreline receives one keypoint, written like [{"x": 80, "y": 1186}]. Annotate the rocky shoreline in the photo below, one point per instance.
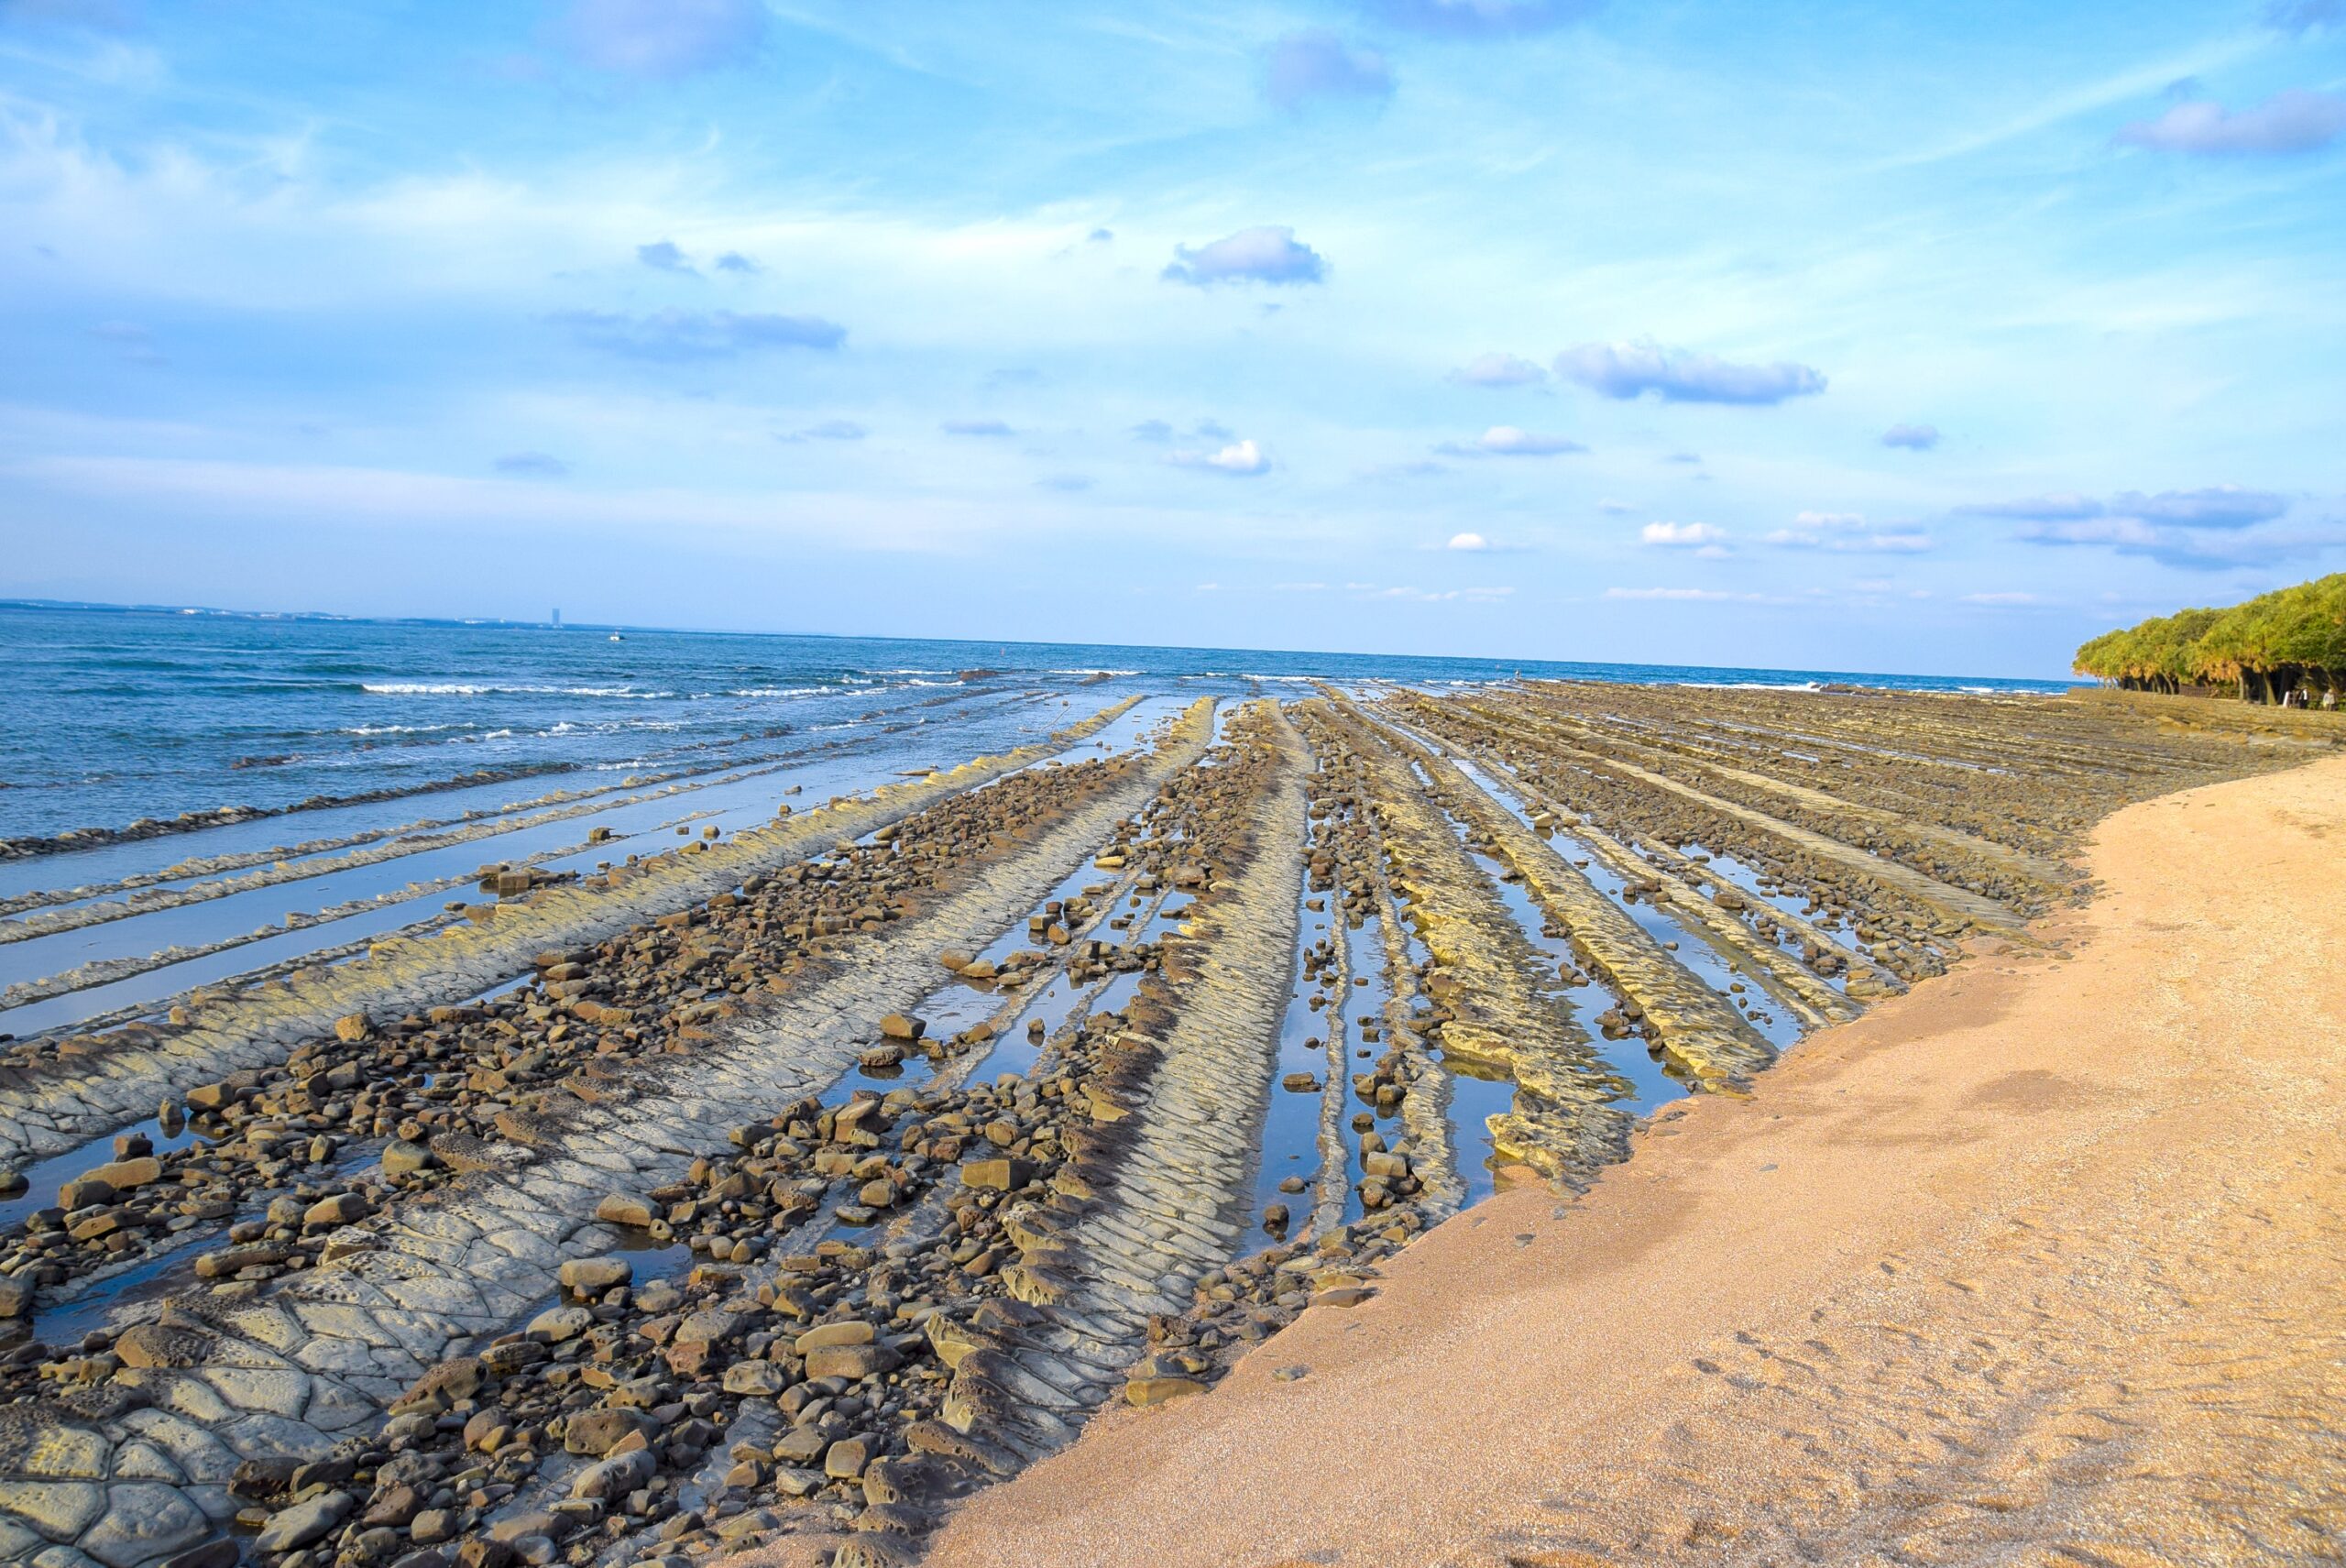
[{"x": 790, "y": 1188}]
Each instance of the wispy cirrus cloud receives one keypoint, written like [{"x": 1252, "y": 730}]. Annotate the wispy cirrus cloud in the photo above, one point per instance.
[
  {"x": 531, "y": 466},
  {"x": 1692, "y": 596},
  {"x": 1911, "y": 438},
  {"x": 1269, "y": 254},
  {"x": 1624, "y": 370},
  {"x": 679, "y": 334},
  {"x": 661, "y": 40},
  {"x": 987, "y": 427},
  {"x": 1316, "y": 63},
  {"x": 2295, "y": 120},
  {"x": 1508, "y": 441}
]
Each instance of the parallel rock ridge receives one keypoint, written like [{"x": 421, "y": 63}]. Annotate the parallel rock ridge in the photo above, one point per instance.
[{"x": 50, "y": 1106}]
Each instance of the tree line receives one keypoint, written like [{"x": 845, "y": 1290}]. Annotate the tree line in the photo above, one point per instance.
[{"x": 2289, "y": 640}]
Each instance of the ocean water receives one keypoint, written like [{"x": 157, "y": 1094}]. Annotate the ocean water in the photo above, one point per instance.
[{"x": 117, "y": 714}]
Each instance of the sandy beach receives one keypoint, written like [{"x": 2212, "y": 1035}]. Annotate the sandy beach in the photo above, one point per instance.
[{"x": 2035, "y": 1264}]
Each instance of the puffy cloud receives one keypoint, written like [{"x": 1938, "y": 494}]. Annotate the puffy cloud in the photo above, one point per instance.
[
  {"x": 734, "y": 261},
  {"x": 2219, "y": 506},
  {"x": 1680, "y": 535},
  {"x": 1241, "y": 459},
  {"x": 1270, "y": 254},
  {"x": 1467, "y": 541},
  {"x": 1681, "y": 375},
  {"x": 663, "y": 255},
  {"x": 2059, "y": 506},
  {"x": 674, "y": 335},
  {"x": 1316, "y": 63},
  {"x": 1507, "y": 441},
  {"x": 662, "y": 39},
  {"x": 1913, "y": 437},
  {"x": 1498, "y": 370},
  {"x": 976, "y": 427},
  {"x": 532, "y": 466},
  {"x": 1482, "y": 18},
  {"x": 1845, "y": 532},
  {"x": 2295, "y": 120}
]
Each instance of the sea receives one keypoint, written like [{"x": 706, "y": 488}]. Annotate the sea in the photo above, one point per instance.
[{"x": 120, "y": 714}]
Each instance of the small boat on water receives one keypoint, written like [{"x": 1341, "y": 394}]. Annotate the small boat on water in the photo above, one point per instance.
[{"x": 617, "y": 638}]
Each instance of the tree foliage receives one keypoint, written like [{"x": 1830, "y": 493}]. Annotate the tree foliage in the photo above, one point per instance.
[{"x": 2288, "y": 639}]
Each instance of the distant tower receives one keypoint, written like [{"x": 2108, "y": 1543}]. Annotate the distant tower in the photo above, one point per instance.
[{"x": 557, "y": 615}]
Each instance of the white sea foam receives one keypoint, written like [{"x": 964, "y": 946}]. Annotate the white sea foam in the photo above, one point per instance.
[{"x": 460, "y": 688}]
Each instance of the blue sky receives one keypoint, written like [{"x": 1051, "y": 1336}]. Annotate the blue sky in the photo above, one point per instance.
[{"x": 1861, "y": 336}]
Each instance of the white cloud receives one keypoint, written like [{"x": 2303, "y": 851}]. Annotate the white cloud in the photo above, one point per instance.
[
  {"x": 1269, "y": 254},
  {"x": 2292, "y": 121},
  {"x": 1242, "y": 458},
  {"x": 1846, "y": 531},
  {"x": 1680, "y": 535},
  {"x": 2218, "y": 506},
  {"x": 1681, "y": 375},
  {"x": 2001, "y": 599},
  {"x": 674, "y": 335},
  {"x": 2049, "y": 508},
  {"x": 1498, "y": 370},
  {"x": 1700, "y": 596},
  {"x": 1508, "y": 441},
  {"x": 1468, "y": 542}
]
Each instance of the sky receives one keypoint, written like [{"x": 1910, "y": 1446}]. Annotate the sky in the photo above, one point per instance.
[{"x": 1878, "y": 336}]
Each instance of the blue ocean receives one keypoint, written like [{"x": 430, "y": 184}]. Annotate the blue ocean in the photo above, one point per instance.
[{"x": 117, "y": 714}]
